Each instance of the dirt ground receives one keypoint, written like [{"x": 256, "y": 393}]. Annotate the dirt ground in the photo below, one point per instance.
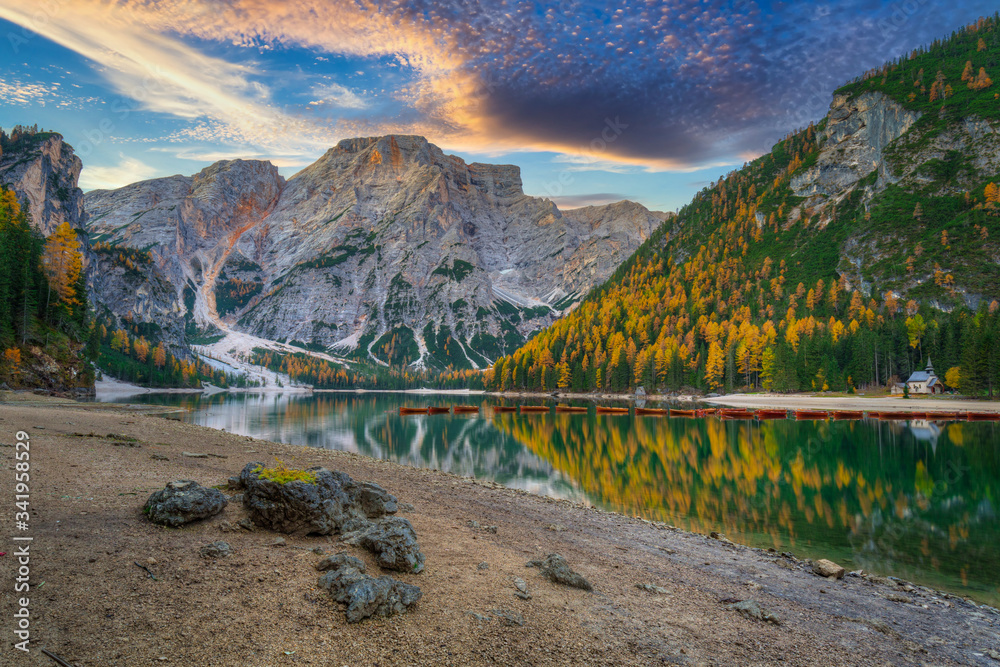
[{"x": 92, "y": 605}]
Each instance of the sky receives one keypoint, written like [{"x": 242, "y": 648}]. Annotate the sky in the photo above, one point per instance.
[{"x": 595, "y": 101}]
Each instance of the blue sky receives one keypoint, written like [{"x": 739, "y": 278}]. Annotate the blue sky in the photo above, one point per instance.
[{"x": 596, "y": 101}]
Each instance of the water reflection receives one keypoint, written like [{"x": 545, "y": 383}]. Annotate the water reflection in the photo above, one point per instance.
[{"x": 914, "y": 499}]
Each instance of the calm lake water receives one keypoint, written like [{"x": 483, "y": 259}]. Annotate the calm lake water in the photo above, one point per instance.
[{"x": 916, "y": 500}]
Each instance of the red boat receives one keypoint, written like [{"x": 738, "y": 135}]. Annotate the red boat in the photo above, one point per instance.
[
  {"x": 984, "y": 416},
  {"x": 413, "y": 411},
  {"x": 947, "y": 416},
  {"x": 847, "y": 414},
  {"x": 526, "y": 409},
  {"x": 708, "y": 411},
  {"x": 650, "y": 412},
  {"x": 811, "y": 414},
  {"x": 571, "y": 408},
  {"x": 737, "y": 414},
  {"x": 772, "y": 414},
  {"x": 438, "y": 410},
  {"x": 900, "y": 415},
  {"x": 684, "y": 413},
  {"x": 611, "y": 411}
]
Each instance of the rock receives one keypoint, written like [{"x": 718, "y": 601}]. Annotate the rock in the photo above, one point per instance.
[
  {"x": 405, "y": 507},
  {"x": 556, "y": 527},
  {"x": 340, "y": 561},
  {"x": 235, "y": 483},
  {"x": 194, "y": 455},
  {"x": 183, "y": 501},
  {"x": 483, "y": 566},
  {"x": 478, "y": 617},
  {"x": 226, "y": 527},
  {"x": 524, "y": 595},
  {"x": 158, "y": 457},
  {"x": 394, "y": 543},
  {"x": 751, "y": 609},
  {"x": 372, "y": 499},
  {"x": 246, "y": 524},
  {"x": 278, "y": 542},
  {"x": 650, "y": 588},
  {"x": 897, "y": 597},
  {"x": 215, "y": 550},
  {"x": 472, "y": 524},
  {"x": 556, "y": 569},
  {"x": 322, "y": 507},
  {"x": 520, "y": 585},
  {"x": 491, "y": 529},
  {"x": 827, "y": 568},
  {"x": 508, "y": 617},
  {"x": 364, "y": 596},
  {"x": 150, "y": 561}
]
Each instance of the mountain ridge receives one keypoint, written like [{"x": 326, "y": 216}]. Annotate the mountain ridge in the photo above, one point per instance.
[{"x": 311, "y": 259}]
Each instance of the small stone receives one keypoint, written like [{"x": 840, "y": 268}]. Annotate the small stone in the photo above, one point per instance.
[
  {"x": 216, "y": 550},
  {"x": 194, "y": 455},
  {"x": 406, "y": 507},
  {"x": 472, "y": 524},
  {"x": 668, "y": 551},
  {"x": 651, "y": 588},
  {"x": 491, "y": 529},
  {"x": 556, "y": 569},
  {"x": 478, "y": 617},
  {"x": 523, "y": 595},
  {"x": 520, "y": 585},
  {"x": 91, "y": 560},
  {"x": 827, "y": 568},
  {"x": 751, "y": 609},
  {"x": 158, "y": 457},
  {"x": 483, "y": 566},
  {"x": 278, "y": 542},
  {"x": 556, "y": 527},
  {"x": 226, "y": 527},
  {"x": 246, "y": 524},
  {"x": 508, "y": 617},
  {"x": 896, "y": 597},
  {"x": 150, "y": 561}
]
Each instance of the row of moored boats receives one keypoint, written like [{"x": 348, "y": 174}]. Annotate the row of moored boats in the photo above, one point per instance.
[{"x": 722, "y": 413}]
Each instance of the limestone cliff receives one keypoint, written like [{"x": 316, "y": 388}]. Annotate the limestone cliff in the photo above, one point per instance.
[
  {"x": 44, "y": 172},
  {"x": 382, "y": 239}
]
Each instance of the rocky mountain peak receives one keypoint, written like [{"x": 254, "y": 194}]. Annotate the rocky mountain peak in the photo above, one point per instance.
[{"x": 44, "y": 170}]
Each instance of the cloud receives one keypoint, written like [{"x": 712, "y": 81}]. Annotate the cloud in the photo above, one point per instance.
[
  {"x": 336, "y": 95},
  {"x": 689, "y": 83},
  {"x": 18, "y": 93},
  {"x": 566, "y": 202},
  {"x": 127, "y": 170}
]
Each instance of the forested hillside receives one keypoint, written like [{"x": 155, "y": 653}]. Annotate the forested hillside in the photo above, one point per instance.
[
  {"x": 853, "y": 251},
  {"x": 43, "y": 304}
]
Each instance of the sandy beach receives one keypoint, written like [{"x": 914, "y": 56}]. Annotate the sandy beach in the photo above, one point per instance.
[{"x": 94, "y": 465}]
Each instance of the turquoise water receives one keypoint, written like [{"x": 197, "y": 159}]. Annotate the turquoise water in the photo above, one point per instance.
[{"x": 917, "y": 500}]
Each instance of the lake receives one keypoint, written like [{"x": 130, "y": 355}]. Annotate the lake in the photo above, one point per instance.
[{"x": 916, "y": 500}]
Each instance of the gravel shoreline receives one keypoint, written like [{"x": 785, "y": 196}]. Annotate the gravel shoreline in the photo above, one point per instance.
[{"x": 661, "y": 595}]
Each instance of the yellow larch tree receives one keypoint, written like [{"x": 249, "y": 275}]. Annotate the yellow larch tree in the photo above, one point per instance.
[{"x": 62, "y": 262}]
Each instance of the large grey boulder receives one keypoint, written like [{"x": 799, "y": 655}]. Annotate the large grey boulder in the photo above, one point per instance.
[
  {"x": 183, "y": 501},
  {"x": 365, "y": 596},
  {"x": 394, "y": 543},
  {"x": 332, "y": 503}
]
